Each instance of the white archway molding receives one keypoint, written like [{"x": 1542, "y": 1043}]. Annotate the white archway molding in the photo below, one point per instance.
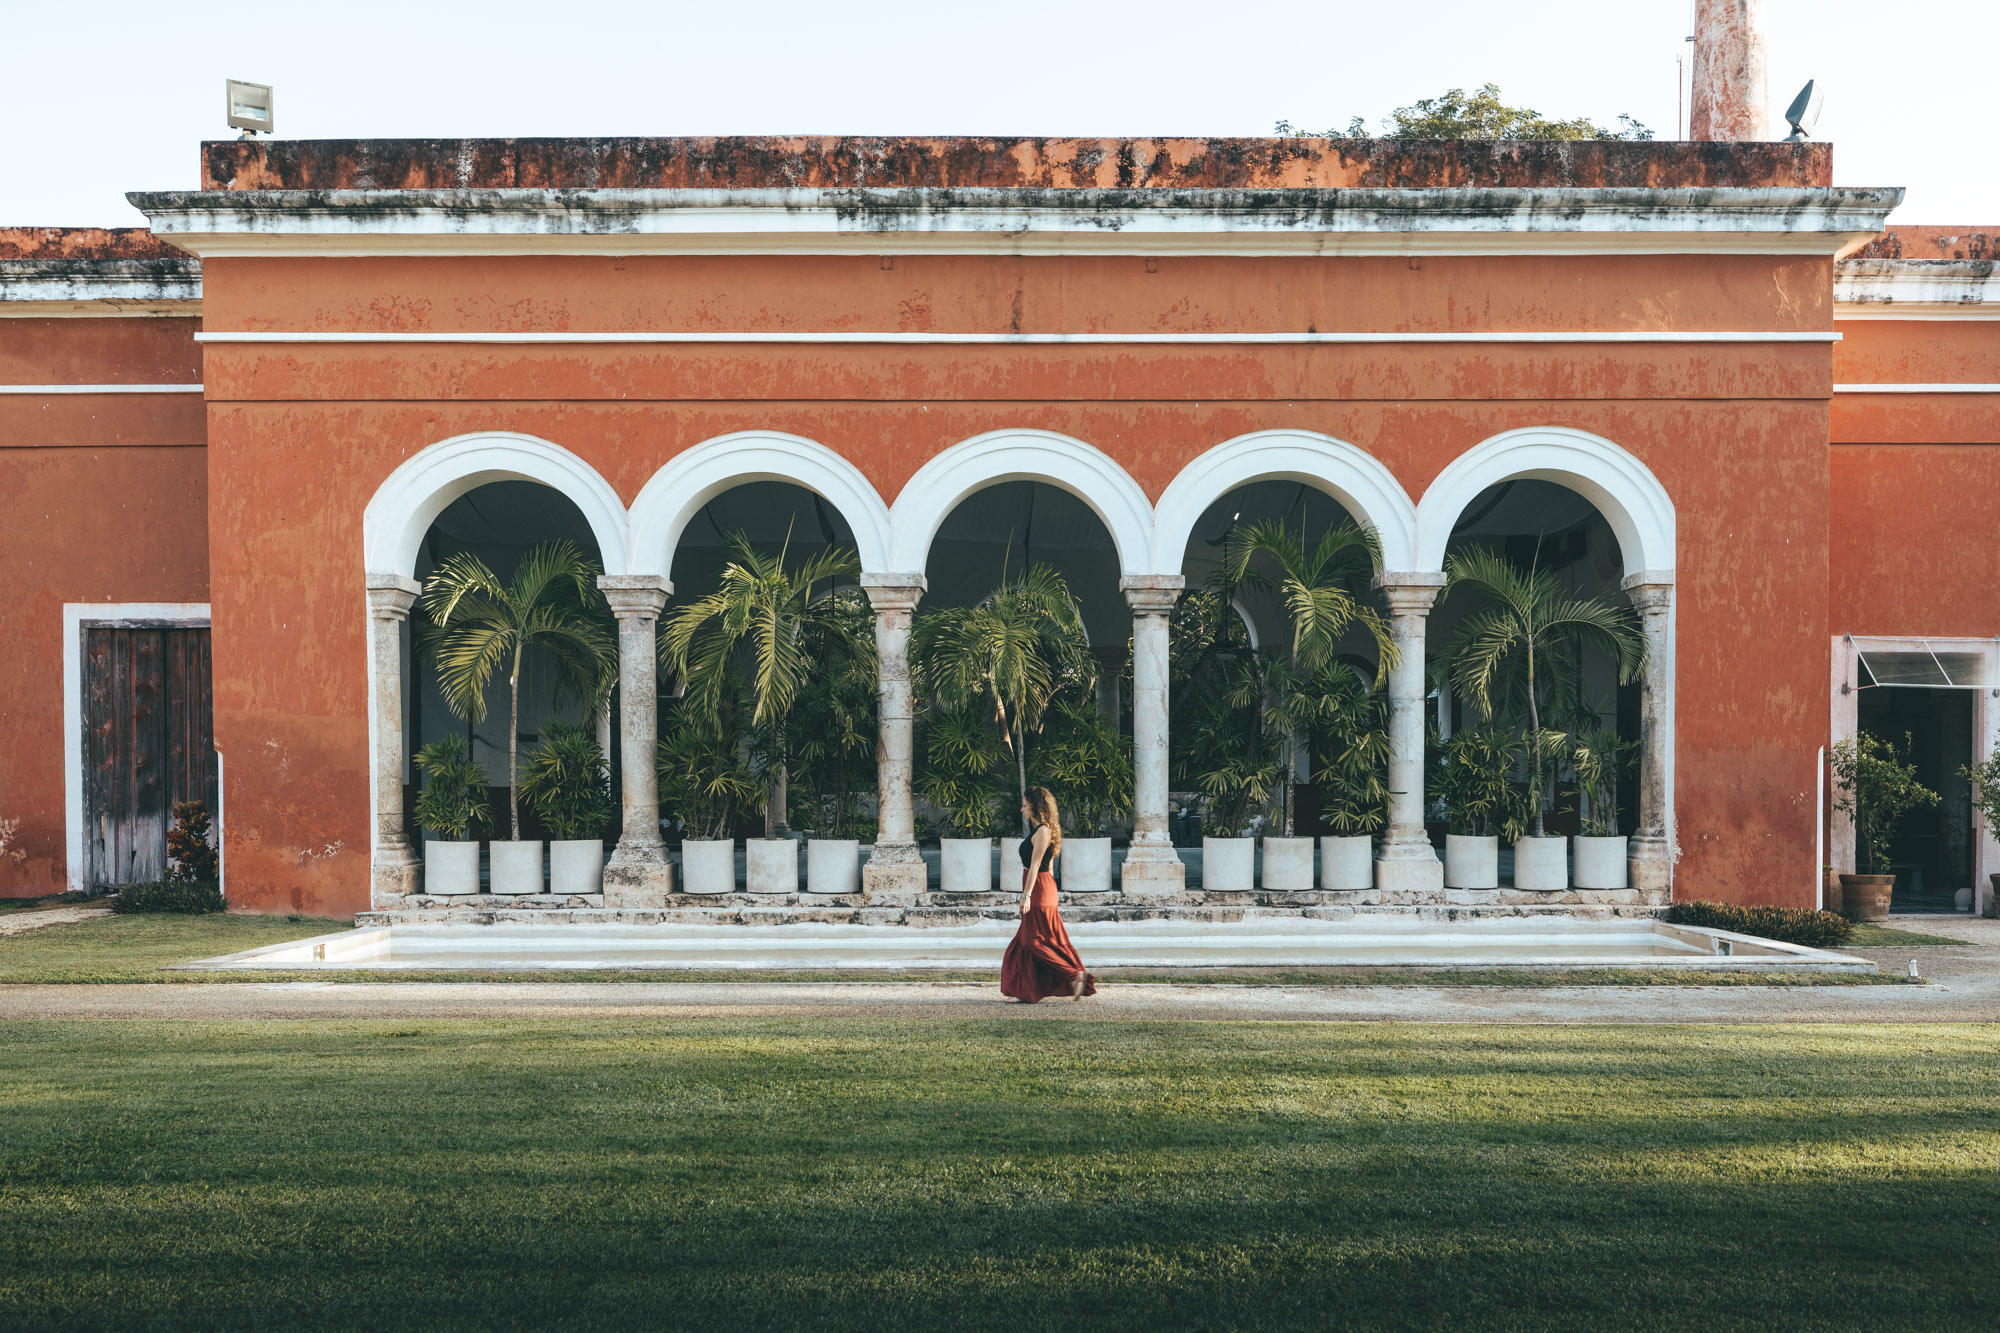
[
  {"x": 410, "y": 498},
  {"x": 677, "y": 492},
  {"x": 1363, "y": 485},
  {"x": 1086, "y": 472},
  {"x": 1624, "y": 490}
]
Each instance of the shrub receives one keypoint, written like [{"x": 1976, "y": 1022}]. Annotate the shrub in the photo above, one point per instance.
[
  {"x": 454, "y": 802},
  {"x": 188, "y": 851},
  {"x": 566, "y": 783},
  {"x": 171, "y": 895},
  {"x": 1789, "y": 925}
]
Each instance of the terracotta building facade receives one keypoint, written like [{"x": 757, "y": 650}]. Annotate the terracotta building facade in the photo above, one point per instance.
[{"x": 1725, "y": 389}]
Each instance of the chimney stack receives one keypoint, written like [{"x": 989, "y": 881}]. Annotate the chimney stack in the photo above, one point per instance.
[{"x": 1729, "y": 100}]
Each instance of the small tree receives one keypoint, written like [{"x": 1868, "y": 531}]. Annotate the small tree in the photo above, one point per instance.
[
  {"x": 1456, "y": 114},
  {"x": 1601, "y": 760},
  {"x": 1878, "y": 786},
  {"x": 1085, "y": 764},
  {"x": 454, "y": 800},
  {"x": 1353, "y": 754},
  {"x": 1474, "y": 779},
  {"x": 957, "y": 769},
  {"x": 566, "y": 782},
  {"x": 704, "y": 772},
  {"x": 193, "y": 859},
  {"x": 1985, "y": 780}
]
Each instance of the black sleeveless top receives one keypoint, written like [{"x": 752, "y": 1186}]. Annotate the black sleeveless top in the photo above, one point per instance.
[{"x": 1028, "y": 847}]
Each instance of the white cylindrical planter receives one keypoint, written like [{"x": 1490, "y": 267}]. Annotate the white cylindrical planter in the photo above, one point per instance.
[
  {"x": 1600, "y": 863},
  {"x": 771, "y": 865},
  {"x": 576, "y": 866},
  {"x": 1228, "y": 865},
  {"x": 708, "y": 865},
  {"x": 515, "y": 867},
  {"x": 450, "y": 868},
  {"x": 1541, "y": 863},
  {"x": 833, "y": 865},
  {"x": 965, "y": 865},
  {"x": 1471, "y": 863},
  {"x": 1347, "y": 865},
  {"x": 1086, "y": 865},
  {"x": 1288, "y": 865}
]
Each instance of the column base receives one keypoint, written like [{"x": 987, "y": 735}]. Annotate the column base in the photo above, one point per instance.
[
  {"x": 895, "y": 875},
  {"x": 1152, "y": 873},
  {"x": 1418, "y": 878},
  {"x": 1651, "y": 872},
  {"x": 395, "y": 874},
  {"x": 638, "y": 876}
]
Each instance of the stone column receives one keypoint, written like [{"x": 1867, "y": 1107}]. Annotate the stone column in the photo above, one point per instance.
[
  {"x": 1407, "y": 868},
  {"x": 895, "y": 872},
  {"x": 1729, "y": 100},
  {"x": 638, "y": 874},
  {"x": 1651, "y": 858},
  {"x": 394, "y": 868},
  {"x": 1152, "y": 869}
]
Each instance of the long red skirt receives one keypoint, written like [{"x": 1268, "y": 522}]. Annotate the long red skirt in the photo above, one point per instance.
[{"x": 1040, "y": 960}]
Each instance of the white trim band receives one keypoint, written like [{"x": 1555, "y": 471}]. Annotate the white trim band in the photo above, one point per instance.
[
  {"x": 1916, "y": 388},
  {"x": 1109, "y": 339},
  {"x": 41, "y": 390}
]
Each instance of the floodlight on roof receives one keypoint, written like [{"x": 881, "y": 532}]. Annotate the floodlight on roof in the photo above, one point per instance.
[
  {"x": 1803, "y": 113},
  {"x": 249, "y": 107}
]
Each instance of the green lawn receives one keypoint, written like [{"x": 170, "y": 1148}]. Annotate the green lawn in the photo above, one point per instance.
[
  {"x": 146, "y": 948},
  {"x": 1869, "y": 936},
  {"x": 858, "y": 1173}
]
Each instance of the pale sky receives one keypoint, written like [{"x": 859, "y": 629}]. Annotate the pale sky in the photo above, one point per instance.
[{"x": 114, "y": 96}]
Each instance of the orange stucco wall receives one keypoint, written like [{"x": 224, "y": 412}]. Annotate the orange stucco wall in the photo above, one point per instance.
[
  {"x": 107, "y": 501},
  {"x": 300, "y": 436}
]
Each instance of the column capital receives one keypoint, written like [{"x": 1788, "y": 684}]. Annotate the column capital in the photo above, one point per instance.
[
  {"x": 635, "y": 595},
  {"x": 1650, "y": 589},
  {"x": 894, "y": 592},
  {"x": 1151, "y": 594},
  {"x": 1410, "y": 592},
  {"x": 391, "y": 595}
]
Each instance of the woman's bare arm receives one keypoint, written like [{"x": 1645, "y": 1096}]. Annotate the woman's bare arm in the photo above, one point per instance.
[{"x": 1038, "y": 852}]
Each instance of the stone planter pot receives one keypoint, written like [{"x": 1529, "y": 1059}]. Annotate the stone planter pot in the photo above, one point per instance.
[
  {"x": 1228, "y": 865},
  {"x": 1866, "y": 897},
  {"x": 833, "y": 865},
  {"x": 770, "y": 865},
  {"x": 1086, "y": 865},
  {"x": 965, "y": 865},
  {"x": 514, "y": 867},
  {"x": 1288, "y": 865},
  {"x": 1541, "y": 864},
  {"x": 1833, "y": 899},
  {"x": 1471, "y": 863},
  {"x": 1962, "y": 900},
  {"x": 1600, "y": 863},
  {"x": 450, "y": 868},
  {"x": 576, "y": 866},
  {"x": 708, "y": 865},
  {"x": 1347, "y": 865}
]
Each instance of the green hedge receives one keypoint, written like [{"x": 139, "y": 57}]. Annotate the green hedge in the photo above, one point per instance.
[
  {"x": 172, "y": 895},
  {"x": 1792, "y": 925}
]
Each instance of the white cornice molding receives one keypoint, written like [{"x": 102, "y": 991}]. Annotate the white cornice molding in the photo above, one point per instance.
[
  {"x": 53, "y": 390},
  {"x": 1917, "y": 289},
  {"x": 1916, "y": 388},
  {"x": 56, "y": 288},
  {"x": 1022, "y": 339},
  {"x": 1818, "y": 221}
]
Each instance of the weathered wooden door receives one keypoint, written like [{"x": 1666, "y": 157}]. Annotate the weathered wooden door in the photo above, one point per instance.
[{"x": 150, "y": 742}]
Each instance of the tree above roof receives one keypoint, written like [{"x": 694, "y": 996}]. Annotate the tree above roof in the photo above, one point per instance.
[{"x": 1480, "y": 115}]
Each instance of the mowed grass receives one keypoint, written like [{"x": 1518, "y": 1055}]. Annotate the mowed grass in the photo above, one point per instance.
[
  {"x": 867, "y": 1174},
  {"x": 150, "y": 948}
]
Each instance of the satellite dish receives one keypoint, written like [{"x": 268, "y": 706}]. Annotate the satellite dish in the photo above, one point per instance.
[{"x": 1803, "y": 113}]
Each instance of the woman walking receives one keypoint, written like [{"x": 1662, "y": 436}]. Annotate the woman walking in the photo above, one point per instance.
[{"x": 1041, "y": 961}]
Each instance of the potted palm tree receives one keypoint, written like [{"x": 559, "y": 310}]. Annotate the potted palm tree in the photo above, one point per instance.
[
  {"x": 832, "y": 736},
  {"x": 1086, "y": 766},
  {"x": 1985, "y": 780},
  {"x": 1323, "y": 587},
  {"x": 1516, "y": 655},
  {"x": 1878, "y": 787},
  {"x": 788, "y": 618},
  {"x": 477, "y": 623},
  {"x": 705, "y": 781},
  {"x": 958, "y": 775},
  {"x": 1600, "y": 759},
  {"x": 568, "y": 786},
  {"x": 1353, "y": 774},
  {"x": 451, "y": 805},
  {"x": 1474, "y": 779}
]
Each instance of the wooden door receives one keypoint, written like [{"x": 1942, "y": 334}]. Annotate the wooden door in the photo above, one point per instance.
[{"x": 149, "y": 742}]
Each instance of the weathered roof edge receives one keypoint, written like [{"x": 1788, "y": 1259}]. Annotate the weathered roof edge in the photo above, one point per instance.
[
  {"x": 1917, "y": 288},
  {"x": 38, "y": 288}
]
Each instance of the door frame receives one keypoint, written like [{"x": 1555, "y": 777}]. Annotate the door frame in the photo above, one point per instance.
[
  {"x": 1985, "y": 740},
  {"x": 77, "y": 618}
]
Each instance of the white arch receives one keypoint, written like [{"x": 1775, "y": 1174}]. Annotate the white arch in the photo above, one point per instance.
[
  {"x": 697, "y": 475},
  {"x": 1362, "y": 484},
  {"x": 1624, "y": 490},
  {"x": 1022, "y": 455},
  {"x": 410, "y": 499}
]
